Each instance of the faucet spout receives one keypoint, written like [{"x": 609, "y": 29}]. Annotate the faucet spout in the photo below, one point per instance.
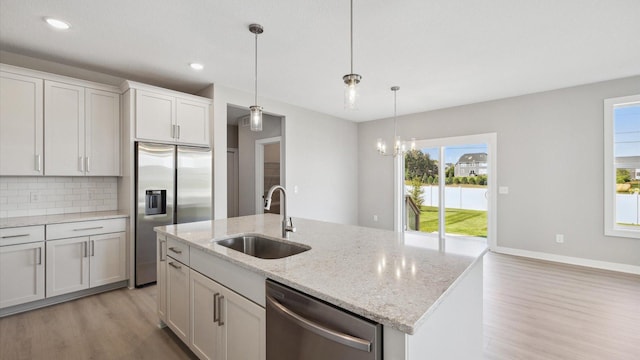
[{"x": 286, "y": 228}]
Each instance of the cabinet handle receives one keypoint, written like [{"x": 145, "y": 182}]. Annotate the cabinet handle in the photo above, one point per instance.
[
  {"x": 87, "y": 163},
  {"x": 81, "y": 163},
  {"x": 40, "y": 256},
  {"x": 93, "y": 248},
  {"x": 89, "y": 228},
  {"x": 177, "y": 251},
  {"x": 85, "y": 245},
  {"x": 220, "y": 322},
  {"x": 38, "y": 162},
  {"x": 14, "y": 236},
  {"x": 216, "y": 309},
  {"x": 162, "y": 257},
  {"x": 175, "y": 266},
  {"x": 173, "y": 131},
  {"x": 178, "y": 136}
]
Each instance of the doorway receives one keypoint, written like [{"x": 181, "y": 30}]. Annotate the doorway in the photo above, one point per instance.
[
  {"x": 268, "y": 173},
  {"x": 447, "y": 189}
]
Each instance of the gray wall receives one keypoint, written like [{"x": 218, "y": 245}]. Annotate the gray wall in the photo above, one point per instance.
[
  {"x": 550, "y": 148},
  {"x": 321, "y": 159}
]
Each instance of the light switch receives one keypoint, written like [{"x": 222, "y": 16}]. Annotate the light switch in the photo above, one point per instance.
[{"x": 504, "y": 190}]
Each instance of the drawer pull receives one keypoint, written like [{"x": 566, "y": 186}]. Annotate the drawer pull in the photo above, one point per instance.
[
  {"x": 177, "y": 251},
  {"x": 14, "y": 236},
  {"x": 175, "y": 266},
  {"x": 89, "y": 228}
]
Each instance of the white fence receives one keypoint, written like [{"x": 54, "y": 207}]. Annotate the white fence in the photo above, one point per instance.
[
  {"x": 628, "y": 208},
  {"x": 455, "y": 197}
]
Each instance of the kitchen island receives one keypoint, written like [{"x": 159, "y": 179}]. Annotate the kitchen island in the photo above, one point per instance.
[{"x": 428, "y": 298}]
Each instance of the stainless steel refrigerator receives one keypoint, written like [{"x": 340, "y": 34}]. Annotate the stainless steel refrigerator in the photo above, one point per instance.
[{"x": 173, "y": 186}]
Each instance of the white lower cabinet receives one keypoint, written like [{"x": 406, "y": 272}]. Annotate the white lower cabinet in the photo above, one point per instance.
[
  {"x": 83, "y": 262},
  {"x": 215, "y": 322},
  {"x": 21, "y": 273},
  {"x": 224, "y": 325},
  {"x": 178, "y": 298}
]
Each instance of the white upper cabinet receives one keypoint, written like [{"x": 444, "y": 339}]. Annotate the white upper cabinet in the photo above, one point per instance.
[
  {"x": 102, "y": 133},
  {"x": 82, "y": 130},
  {"x": 21, "y": 125},
  {"x": 58, "y": 126},
  {"x": 170, "y": 117},
  {"x": 155, "y": 116},
  {"x": 64, "y": 129},
  {"x": 193, "y": 122}
]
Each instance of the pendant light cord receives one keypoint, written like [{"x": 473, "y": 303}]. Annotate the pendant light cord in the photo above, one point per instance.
[
  {"x": 395, "y": 120},
  {"x": 256, "y": 74},
  {"x": 351, "y": 32}
]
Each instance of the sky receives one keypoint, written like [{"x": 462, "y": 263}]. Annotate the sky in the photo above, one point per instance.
[
  {"x": 627, "y": 131},
  {"x": 453, "y": 153}
]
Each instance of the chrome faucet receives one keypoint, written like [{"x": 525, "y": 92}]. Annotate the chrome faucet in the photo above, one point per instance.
[{"x": 286, "y": 228}]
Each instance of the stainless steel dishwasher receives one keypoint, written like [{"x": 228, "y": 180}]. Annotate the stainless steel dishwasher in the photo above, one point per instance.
[{"x": 300, "y": 327}]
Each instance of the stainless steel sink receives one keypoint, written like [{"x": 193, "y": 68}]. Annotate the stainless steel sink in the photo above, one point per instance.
[{"x": 262, "y": 247}]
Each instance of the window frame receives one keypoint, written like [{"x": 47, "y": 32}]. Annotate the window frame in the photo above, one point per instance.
[{"x": 611, "y": 228}]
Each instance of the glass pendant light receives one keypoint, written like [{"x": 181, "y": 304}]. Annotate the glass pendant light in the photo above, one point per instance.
[
  {"x": 351, "y": 90},
  {"x": 255, "y": 118},
  {"x": 399, "y": 146}
]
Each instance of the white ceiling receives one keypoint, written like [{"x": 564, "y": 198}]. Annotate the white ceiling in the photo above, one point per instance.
[{"x": 441, "y": 53}]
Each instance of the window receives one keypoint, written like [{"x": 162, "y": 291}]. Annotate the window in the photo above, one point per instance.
[{"x": 622, "y": 165}]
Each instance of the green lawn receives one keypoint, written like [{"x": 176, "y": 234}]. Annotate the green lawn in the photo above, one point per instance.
[{"x": 457, "y": 221}]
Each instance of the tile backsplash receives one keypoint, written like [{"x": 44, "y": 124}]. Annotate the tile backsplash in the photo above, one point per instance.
[{"x": 31, "y": 196}]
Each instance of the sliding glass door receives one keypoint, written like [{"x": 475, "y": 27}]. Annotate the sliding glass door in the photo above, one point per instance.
[{"x": 448, "y": 187}]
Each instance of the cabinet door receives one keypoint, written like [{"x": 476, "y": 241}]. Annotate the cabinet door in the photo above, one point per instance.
[
  {"x": 67, "y": 266},
  {"x": 155, "y": 116},
  {"x": 161, "y": 268},
  {"x": 21, "y": 125},
  {"x": 64, "y": 131},
  {"x": 102, "y": 141},
  {"x": 21, "y": 273},
  {"x": 193, "y": 122},
  {"x": 178, "y": 299},
  {"x": 107, "y": 263},
  {"x": 244, "y": 329},
  {"x": 205, "y": 337}
]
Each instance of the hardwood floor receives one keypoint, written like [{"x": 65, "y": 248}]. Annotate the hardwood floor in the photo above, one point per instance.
[
  {"x": 120, "y": 324},
  {"x": 532, "y": 310},
  {"x": 542, "y": 310}
]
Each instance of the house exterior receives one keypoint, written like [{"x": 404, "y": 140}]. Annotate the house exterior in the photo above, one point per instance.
[
  {"x": 471, "y": 164},
  {"x": 631, "y": 163}
]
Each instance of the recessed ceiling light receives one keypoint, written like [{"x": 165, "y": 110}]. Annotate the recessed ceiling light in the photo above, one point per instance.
[
  {"x": 58, "y": 24},
  {"x": 196, "y": 66}
]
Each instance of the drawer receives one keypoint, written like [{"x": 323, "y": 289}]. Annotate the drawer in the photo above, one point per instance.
[
  {"x": 21, "y": 235},
  {"x": 178, "y": 250},
  {"x": 245, "y": 282},
  {"x": 85, "y": 228}
]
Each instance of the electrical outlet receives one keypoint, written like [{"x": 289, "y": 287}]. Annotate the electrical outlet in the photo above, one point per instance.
[
  {"x": 35, "y": 197},
  {"x": 559, "y": 238},
  {"x": 375, "y": 218}
]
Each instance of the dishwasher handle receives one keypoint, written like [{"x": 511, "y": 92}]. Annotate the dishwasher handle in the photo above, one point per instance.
[{"x": 344, "y": 339}]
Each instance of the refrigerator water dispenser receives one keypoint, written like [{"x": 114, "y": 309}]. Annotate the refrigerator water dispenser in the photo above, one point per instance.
[{"x": 155, "y": 202}]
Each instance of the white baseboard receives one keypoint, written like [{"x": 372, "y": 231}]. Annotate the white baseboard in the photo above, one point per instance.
[{"x": 605, "y": 265}]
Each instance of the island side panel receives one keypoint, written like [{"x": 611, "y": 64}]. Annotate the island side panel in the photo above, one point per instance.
[{"x": 453, "y": 331}]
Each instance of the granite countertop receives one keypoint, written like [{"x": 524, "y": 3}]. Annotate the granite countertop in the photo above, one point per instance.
[
  {"x": 381, "y": 275},
  {"x": 60, "y": 218}
]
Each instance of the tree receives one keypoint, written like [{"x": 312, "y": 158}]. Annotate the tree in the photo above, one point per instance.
[
  {"x": 450, "y": 171},
  {"x": 623, "y": 176},
  {"x": 416, "y": 191},
  {"x": 472, "y": 180},
  {"x": 419, "y": 165}
]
